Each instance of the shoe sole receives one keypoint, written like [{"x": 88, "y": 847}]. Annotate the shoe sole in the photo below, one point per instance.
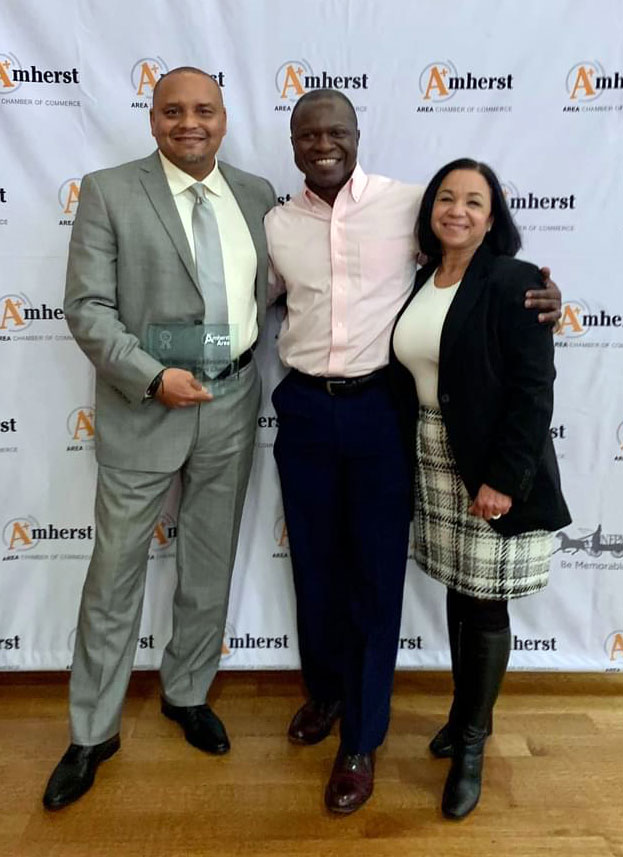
[
  {"x": 304, "y": 742},
  {"x": 347, "y": 810}
]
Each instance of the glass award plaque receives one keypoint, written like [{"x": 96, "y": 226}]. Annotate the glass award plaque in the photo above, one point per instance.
[{"x": 203, "y": 349}]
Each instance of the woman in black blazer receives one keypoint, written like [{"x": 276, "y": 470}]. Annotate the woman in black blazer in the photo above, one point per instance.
[{"x": 487, "y": 488}]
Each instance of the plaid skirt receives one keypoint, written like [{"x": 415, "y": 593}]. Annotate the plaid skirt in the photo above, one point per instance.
[{"x": 458, "y": 549}]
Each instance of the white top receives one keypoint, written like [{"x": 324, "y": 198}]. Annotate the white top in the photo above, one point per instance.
[
  {"x": 239, "y": 256},
  {"x": 418, "y": 334}
]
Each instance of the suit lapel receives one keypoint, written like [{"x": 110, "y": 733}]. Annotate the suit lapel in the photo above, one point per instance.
[
  {"x": 473, "y": 282},
  {"x": 157, "y": 189}
]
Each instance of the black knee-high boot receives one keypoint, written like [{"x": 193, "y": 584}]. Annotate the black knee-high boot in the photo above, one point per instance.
[
  {"x": 442, "y": 745},
  {"x": 483, "y": 660}
]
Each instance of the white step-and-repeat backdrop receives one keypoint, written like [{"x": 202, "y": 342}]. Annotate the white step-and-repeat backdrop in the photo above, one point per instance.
[{"x": 535, "y": 89}]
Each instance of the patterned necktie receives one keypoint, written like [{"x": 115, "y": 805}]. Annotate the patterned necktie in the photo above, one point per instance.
[{"x": 209, "y": 262}]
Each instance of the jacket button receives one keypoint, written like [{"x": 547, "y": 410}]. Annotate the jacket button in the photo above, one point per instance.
[{"x": 444, "y": 399}]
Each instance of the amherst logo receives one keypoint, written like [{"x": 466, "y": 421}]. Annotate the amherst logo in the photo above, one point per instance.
[
  {"x": 164, "y": 533},
  {"x": 17, "y": 535},
  {"x": 280, "y": 534},
  {"x": 17, "y": 313},
  {"x": 296, "y": 77},
  {"x": 9, "y": 643},
  {"x": 519, "y": 202},
  {"x": 619, "y": 455},
  {"x": 534, "y": 644},
  {"x": 144, "y": 76},
  {"x": 232, "y": 642},
  {"x": 68, "y": 197},
  {"x": 81, "y": 428},
  {"x": 50, "y": 532},
  {"x": 12, "y": 75},
  {"x": 613, "y": 646},
  {"x": 146, "y": 73},
  {"x": 440, "y": 81},
  {"x": 577, "y": 320},
  {"x": 588, "y": 80}
]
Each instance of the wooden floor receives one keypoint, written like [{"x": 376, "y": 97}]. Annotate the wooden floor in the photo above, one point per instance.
[{"x": 553, "y": 785}]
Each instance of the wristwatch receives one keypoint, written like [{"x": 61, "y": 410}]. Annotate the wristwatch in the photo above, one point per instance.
[{"x": 155, "y": 384}]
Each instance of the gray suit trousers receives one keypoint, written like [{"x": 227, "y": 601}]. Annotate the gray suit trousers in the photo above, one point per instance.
[{"x": 214, "y": 477}]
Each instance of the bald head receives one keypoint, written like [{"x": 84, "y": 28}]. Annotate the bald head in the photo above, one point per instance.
[
  {"x": 317, "y": 95},
  {"x": 185, "y": 70}
]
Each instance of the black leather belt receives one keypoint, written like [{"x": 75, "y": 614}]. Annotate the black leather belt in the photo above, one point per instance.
[
  {"x": 340, "y": 386},
  {"x": 244, "y": 360}
]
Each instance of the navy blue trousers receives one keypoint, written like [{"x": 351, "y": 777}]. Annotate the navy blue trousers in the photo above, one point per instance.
[{"x": 345, "y": 483}]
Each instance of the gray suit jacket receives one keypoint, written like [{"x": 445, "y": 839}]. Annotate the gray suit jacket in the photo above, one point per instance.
[{"x": 129, "y": 266}]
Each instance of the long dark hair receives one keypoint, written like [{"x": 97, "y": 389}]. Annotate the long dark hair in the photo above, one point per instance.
[{"x": 503, "y": 239}]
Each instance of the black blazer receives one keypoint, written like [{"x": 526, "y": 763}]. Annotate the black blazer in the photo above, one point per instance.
[{"x": 496, "y": 377}]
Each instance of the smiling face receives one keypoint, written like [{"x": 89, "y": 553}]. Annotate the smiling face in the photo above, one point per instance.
[
  {"x": 189, "y": 121},
  {"x": 461, "y": 215},
  {"x": 324, "y": 139}
]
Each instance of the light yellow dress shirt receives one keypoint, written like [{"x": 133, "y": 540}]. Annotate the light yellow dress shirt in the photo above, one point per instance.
[{"x": 239, "y": 256}]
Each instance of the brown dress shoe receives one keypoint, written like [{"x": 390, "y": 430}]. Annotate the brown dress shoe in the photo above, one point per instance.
[
  {"x": 313, "y": 721},
  {"x": 351, "y": 783}
]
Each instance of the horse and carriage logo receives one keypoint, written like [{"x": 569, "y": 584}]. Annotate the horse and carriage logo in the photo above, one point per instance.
[{"x": 594, "y": 544}]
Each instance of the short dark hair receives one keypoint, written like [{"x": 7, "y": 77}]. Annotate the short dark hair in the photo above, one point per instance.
[
  {"x": 184, "y": 69},
  {"x": 503, "y": 239},
  {"x": 322, "y": 95}
]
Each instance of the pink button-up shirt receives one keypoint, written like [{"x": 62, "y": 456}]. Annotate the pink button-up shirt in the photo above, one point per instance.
[{"x": 347, "y": 271}]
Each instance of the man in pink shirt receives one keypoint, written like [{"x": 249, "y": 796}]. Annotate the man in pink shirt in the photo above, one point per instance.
[{"x": 344, "y": 252}]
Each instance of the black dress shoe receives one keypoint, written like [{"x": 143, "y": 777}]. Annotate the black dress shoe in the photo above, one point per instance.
[
  {"x": 202, "y": 728},
  {"x": 313, "y": 721},
  {"x": 351, "y": 782},
  {"x": 75, "y": 773}
]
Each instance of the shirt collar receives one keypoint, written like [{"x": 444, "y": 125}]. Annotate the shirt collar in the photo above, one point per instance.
[
  {"x": 179, "y": 181},
  {"x": 355, "y": 186}
]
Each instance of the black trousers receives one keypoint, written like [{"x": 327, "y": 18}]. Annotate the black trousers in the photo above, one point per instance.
[{"x": 345, "y": 482}]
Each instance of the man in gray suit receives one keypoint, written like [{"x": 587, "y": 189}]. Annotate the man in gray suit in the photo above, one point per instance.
[{"x": 136, "y": 259}]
